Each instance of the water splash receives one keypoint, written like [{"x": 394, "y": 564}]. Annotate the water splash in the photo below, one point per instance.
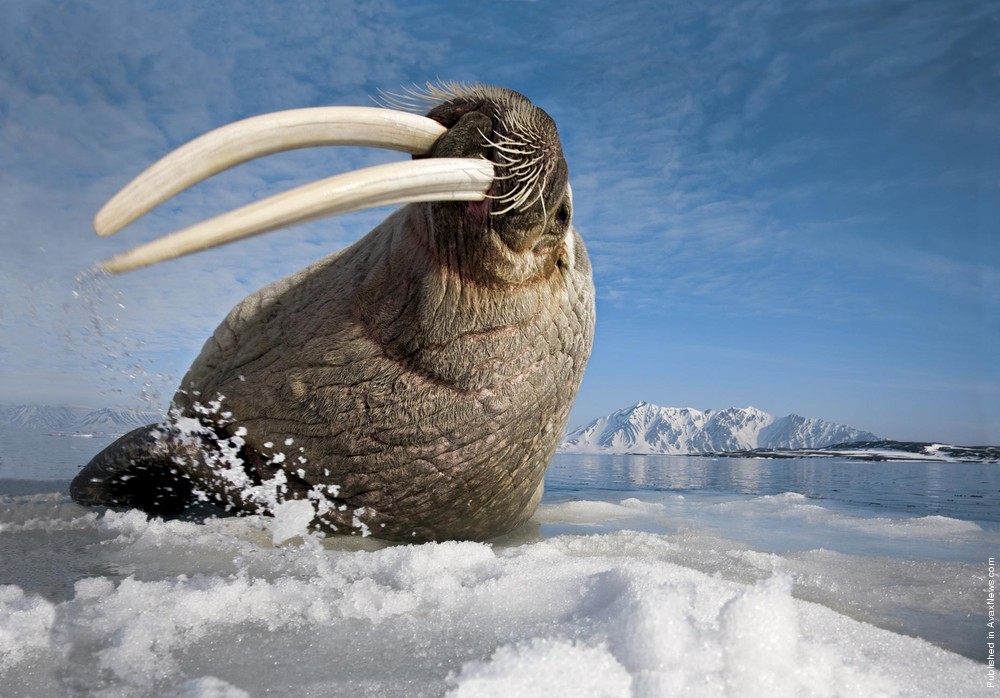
[{"x": 110, "y": 348}]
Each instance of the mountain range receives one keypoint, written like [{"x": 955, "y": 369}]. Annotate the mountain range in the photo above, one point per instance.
[
  {"x": 107, "y": 420},
  {"x": 648, "y": 428},
  {"x": 643, "y": 428}
]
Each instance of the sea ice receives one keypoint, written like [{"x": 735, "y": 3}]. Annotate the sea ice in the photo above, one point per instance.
[{"x": 137, "y": 606}]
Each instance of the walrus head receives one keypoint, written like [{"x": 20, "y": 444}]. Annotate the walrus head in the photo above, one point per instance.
[{"x": 529, "y": 205}]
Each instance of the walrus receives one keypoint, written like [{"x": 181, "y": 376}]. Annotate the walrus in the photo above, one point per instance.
[{"x": 413, "y": 386}]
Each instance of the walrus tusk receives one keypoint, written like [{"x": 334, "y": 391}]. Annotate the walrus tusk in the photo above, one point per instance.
[
  {"x": 264, "y": 135},
  {"x": 432, "y": 179}
]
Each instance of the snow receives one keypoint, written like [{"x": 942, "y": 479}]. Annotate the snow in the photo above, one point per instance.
[
  {"x": 637, "y": 596},
  {"x": 525, "y": 669}
]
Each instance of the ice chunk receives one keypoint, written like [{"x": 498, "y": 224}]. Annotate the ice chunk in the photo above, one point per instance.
[
  {"x": 291, "y": 518},
  {"x": 25, "y": 623},
  {"x": 544, "y": 667}
]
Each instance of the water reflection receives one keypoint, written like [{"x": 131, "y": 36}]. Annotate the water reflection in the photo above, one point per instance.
[
  {"x": 969, "y": 491},
  {"x": 741, "y": 475}
]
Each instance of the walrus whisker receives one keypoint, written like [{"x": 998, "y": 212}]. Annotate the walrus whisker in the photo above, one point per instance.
[
  {"x": 517, "y": 205},
  {"x": 516, "y": 199},
  {"x": 433, "y": 179},
  {"x": 420, "y": 98},
  {"x": 507, "y": 145},
  {"x": 257, "y": 136},
  {"x": 530, "y": 165},
  {"x": 519, "y": 196},
  {"x": 519, "y": 162},
  {"x": 523, "y": 164},
  {"x": 541, "y": 191},
  {"x": 507, "y": 151}
]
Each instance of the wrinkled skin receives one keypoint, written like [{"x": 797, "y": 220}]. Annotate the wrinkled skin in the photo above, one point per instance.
[{"x": 426, "y": 372}]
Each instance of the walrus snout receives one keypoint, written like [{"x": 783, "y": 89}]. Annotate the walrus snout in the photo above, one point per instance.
[
  {"x": 529, "y": 204},
  {"x": 519, "y": 138}
]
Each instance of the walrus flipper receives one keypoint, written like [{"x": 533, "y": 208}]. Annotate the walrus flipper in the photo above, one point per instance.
[{"x": 140, "y": 470}]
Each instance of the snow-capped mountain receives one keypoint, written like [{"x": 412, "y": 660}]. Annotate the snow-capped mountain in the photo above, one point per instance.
[
  {"x": 648, "y": 428},
  {"x": 76, "y": 419},
  {"x": 38, "y": 416},
  {"x": 108, "y": 418},
  {"x": 794, "y": 431}
]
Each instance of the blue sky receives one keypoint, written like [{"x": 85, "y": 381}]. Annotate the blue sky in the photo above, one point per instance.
[{"x": 788, "y": 207}]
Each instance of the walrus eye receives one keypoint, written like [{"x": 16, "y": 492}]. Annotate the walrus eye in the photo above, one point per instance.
[
  {"x": 435, "y": 179},
  {"x": 562, "y": 215}
]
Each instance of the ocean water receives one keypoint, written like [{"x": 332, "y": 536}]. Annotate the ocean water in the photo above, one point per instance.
[{"x": 638, "y": 576}]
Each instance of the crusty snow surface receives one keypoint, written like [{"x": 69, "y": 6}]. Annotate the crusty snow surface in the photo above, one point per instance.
[{"x": 118, "y": 604}]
